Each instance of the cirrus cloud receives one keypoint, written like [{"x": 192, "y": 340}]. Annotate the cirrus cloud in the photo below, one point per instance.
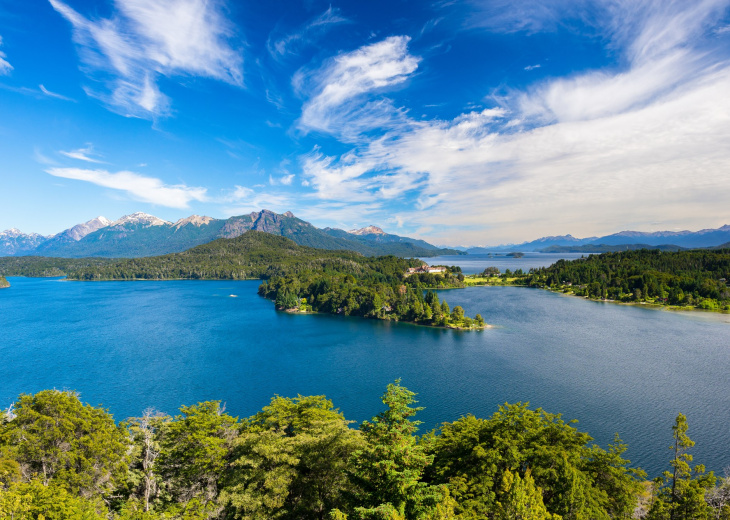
[
  {"x": 585, "y": 154},
  {"x": 148, "y": 38},
  {"x": 138, "y": 187},
  {"x": 335, "y": 90}
]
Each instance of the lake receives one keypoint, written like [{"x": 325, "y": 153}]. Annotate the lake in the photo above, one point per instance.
[{"x": 133, "y": 345}]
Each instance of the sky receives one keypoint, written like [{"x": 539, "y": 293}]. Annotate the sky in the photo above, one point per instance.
[{"x": 462, "y": 122}]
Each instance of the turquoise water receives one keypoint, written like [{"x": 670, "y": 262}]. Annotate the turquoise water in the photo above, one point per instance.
[{"x": 133, "y": 345}]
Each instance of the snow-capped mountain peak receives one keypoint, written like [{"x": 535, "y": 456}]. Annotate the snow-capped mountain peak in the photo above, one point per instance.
[
  {"x": 140, "y": 218},
  {"x": 369, "y": 230},
  {"x": 195, "y": 220}
]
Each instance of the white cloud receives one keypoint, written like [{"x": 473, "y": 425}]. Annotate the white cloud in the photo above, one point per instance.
[
  {"x": 243, "y": 200},
  {"x": 284, "y": 180},
  {"x": 335, "y": 90},
  {"x": 148, "y": 38},
  {"x": 588, "y": 154},
  {"x": 139, "y": 187},
  {"x": 5, "y": 67},
  {"x": 306, "y": 35},
  {"x": 53, "y": 94},
  {"x": 83, "y": 154}
]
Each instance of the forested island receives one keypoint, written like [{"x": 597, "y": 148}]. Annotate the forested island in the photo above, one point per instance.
[
  {"x": 297, "y": 278},
  {"x": 696, "y": 279},
  {"x": 298, "y": 459},
  {"x": 4, "y": 284}
]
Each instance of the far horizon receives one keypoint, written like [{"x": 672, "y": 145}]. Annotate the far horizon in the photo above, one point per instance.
[{"x": 453, "y": 122}]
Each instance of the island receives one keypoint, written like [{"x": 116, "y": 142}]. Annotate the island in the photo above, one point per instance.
[
  {"x": 297, "y": 278},
  {"x": 4, "y": 284}
]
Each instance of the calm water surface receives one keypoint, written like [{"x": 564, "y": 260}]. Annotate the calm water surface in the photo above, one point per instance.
[
  {"x": 133, "y": 345},
  {"x": 472, "y": 264}
]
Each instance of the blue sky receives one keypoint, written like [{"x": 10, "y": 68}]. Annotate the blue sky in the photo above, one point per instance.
[{"x": 460, "y": 122}]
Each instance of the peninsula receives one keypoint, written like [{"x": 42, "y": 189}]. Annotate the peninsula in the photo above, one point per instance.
[
  {"x": 4, "y": 284},
  {"x": 683, "y": 280},
  {"x": 297, "y": 278}
]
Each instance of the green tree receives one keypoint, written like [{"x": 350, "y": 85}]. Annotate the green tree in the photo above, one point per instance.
[
  {"x": 521, "y": 499},
  {"x": 290, "y": 461},
  {"x": 58, "y": 439},
  {"x": 682, "y": 495},
  {"x": 194, "y": 451},
  {"x": 36, "y": 500},
  {"x": 457, "y": 315},
  {"x": 388, "y": 469}
]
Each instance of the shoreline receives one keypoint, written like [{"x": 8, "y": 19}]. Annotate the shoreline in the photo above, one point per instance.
[{"x": 451, "y": 327}]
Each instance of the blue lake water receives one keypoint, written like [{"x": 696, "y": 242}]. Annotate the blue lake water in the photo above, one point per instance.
[
  {"x": 472, "y": 264},
  {"x": 133, "y": 345}
]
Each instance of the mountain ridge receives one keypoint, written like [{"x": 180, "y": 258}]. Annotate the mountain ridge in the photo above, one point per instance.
[{"x": 140, "y": 234}]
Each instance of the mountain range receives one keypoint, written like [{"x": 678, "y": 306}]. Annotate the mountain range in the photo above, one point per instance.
[
  {"x": 623, "y": 240},
  {"x": 140, "y": 234}
]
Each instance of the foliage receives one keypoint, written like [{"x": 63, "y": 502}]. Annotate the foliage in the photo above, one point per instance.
[
  {"x": 389, "y": 468},
  {"x": 290, "y": 461},
  {"x": 55, "y": 438},
  {"x": 298, "y": 459},
  {"x": 194, "y": 450},
  {"x": 480, "y": 460},
  {"x": 682, "y": 490},
  {"x": 695, "y": 278},
  {"x": 35, "y": 500}
]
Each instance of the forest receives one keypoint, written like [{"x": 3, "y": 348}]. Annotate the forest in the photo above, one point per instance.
[
  {"x": 300, "y": 458},
  {"x": 694, "y": 279},
  {"x": 381, "y": 294}
]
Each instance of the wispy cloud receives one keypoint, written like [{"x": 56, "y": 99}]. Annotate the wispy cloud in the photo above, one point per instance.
[
  {"x": 148, "y": 38},
  {"x": 533, "y": 67},
  {"x": 335, "y": 91},
  {"x": 583, "y": 154},
  {"x": 83, "y": 154},
  {"x": 138, "y": 187},
  {"x": 280, "y": 46},
  {"x": 5, "y": 66},
  {"x": 54, "y": 94},
  {"x": 284, "y": 180},
  {"x": 242, "y": 200}
]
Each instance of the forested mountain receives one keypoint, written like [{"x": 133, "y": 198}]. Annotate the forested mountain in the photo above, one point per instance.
[
  {"x": 373, "y": 236},
  {"x": 140, "y": 235},
  {"x": 299, "y": 459}
]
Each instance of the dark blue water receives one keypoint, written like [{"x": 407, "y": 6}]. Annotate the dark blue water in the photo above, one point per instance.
[{"x": 133, "y": 345}]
